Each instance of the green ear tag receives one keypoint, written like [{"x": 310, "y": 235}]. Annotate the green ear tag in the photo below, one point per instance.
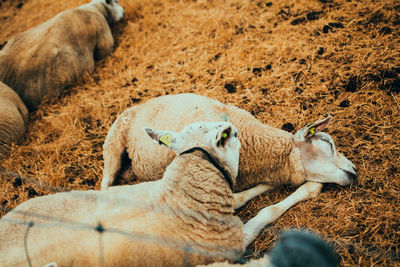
[
  {"x": 166, "y": 140},
  {"x": 223, "y": 136},
  {"x": 312, "y": 131}
]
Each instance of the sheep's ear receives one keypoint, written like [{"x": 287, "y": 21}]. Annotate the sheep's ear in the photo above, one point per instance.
[
  {"x": 315, "y": 127},
  {"x": 311, "y": 129},
  {"x": 165, "y": 138}
]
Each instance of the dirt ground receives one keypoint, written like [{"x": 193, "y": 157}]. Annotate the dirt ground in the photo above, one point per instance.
[{"x": 287, "y": 62}]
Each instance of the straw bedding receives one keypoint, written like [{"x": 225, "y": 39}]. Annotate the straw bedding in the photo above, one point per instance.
[{"x": 287, "y": 62}]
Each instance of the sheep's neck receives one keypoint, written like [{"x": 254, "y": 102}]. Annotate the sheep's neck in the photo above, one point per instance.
[
  {"x": 213, "y": 162},
  {"x": 201, "y": 203},
  {"x": 99, "y": 7},
  {"x": 268, "y": 154},
  {"x": 195, "y": 184},
  {"x": 277, "y": 161}
]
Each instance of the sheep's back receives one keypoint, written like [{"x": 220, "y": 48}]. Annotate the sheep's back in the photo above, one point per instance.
[
  {"x": 150, "y": 160},
  {"x": 59, "y": 221},
  {"x": 144, "y": 233},
  {"x": 45, "y": 59},
  {"x": 264, "y": 155}
]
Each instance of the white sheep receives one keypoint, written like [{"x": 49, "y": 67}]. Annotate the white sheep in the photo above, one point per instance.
[
  {"x": 269, "y": 156},
  {"x": 13, "y": 119},
  {"x": 186, "y": 218},
  {"x": 51, "y": 56}
]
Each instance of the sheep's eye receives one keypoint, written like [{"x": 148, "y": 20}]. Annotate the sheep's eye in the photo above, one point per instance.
[
  {"x": 108, "y": 2},
  {"x": 224, "y": 137},
  {"x": 235, "y": 134}
]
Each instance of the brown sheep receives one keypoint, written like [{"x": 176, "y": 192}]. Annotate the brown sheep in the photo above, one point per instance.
[
  {"x": 13, "y": 118},
  {"x": 51, "y": 56}
]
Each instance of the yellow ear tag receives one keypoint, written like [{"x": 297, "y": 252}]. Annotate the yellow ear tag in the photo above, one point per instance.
[
  {"x": 312, "y": 131},
  {"x": 166, "y": 140}
]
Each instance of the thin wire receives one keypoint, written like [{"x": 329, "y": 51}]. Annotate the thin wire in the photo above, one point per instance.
[
  {"x": 122, "y": 202},
  {"x": 135, "y": 236},
  {"x": 186, "y": 250},
  {"x": 30, "y": 225},
  {"x": 33, "y": 181},
  {"x": 100, "y": 230},
  {"x": 48, "y": 218}
]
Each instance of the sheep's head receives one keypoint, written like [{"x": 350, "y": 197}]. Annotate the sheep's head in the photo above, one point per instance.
[
  {"x": 114, "y": 9},
  {"x": 218, "y": 139},
  {"x": 321, "y": 161}
]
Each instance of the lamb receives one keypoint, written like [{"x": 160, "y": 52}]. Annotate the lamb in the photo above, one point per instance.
[
  {"x": 46, "y": 59},
  {"x": 186, "y": 218},
  {"x": 13, "y": 119},
  {"x": 269, "y": 156}
]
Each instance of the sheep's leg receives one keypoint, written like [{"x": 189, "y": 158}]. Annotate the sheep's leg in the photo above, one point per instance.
[
  {"x": 269, "y": 214},
  {"x": 241, "y": 198},
  {"x": 112, "y": 163},
  {"x": 113, "y": 149}
]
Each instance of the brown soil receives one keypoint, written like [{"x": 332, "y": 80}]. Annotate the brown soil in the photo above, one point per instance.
[{"x": 287, "y": 62}]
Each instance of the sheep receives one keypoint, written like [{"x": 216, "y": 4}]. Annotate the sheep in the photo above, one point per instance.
[
  {"x": 185, "y": 218},
  {"x": 52, "y": 56},
  {"x": 13, "y": 119},
  {"x": 294, "y": 248},
  {"x": 269, "y": 156}
]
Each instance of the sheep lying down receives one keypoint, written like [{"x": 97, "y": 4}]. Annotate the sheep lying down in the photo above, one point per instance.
[
  {"x": 269, "y": 157},
  {"x": 294, "y": 248},
  {"x": 51, "y": 56},
  {"x": 185, "y": 218},
  {"x": 13, "y": 118}
]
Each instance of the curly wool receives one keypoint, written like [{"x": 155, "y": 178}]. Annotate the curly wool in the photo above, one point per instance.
[{"x": 267, "y": 155}]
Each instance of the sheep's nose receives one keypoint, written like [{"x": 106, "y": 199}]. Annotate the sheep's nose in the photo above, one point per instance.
[{"x": 352, "y": 175}]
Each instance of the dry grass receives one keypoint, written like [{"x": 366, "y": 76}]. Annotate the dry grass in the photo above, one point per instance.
[{"x": 286, "y": 65}]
